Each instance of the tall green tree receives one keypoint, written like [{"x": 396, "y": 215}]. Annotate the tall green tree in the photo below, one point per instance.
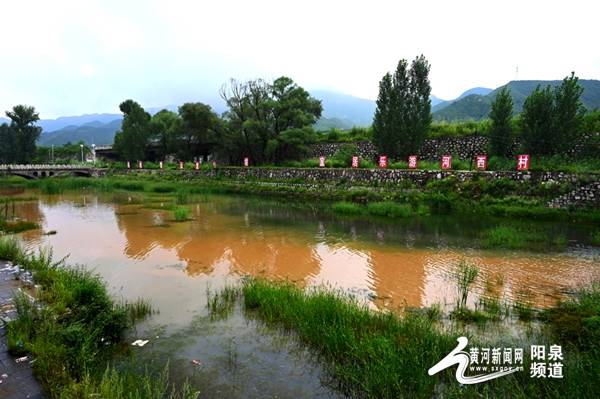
[
  {"x": 163, "y": 127},
  {"x": 269, "y": 122},
  {"x": 569, "y": 111},
  {"x": 132, "y": 140},
  {"x": 196, "y": 130},
  {"x": 19, "y": 138},
  {"x": 501, "y": 128},
  {"x": 7, "y": 145},
  {"x": 403, "y": 114},
  {"x": 537, "y": 121}
]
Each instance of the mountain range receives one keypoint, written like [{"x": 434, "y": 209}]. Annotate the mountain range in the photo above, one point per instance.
[
  {"x": 340, "y": 110},
  {"x": 477, "y": 105}
]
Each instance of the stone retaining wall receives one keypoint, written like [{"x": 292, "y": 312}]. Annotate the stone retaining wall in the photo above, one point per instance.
[
  {"x": 465, "y": 147},
  {"x": 373, "y": 176}
]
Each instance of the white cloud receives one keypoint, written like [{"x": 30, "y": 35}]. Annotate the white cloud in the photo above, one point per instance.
[{"x": 69, "y": 57}]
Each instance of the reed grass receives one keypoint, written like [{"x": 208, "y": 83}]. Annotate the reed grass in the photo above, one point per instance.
[{"x": 73, "y": 329}]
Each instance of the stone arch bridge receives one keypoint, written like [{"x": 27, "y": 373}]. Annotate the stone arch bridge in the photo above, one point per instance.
[{"x": 41, "y": 171}]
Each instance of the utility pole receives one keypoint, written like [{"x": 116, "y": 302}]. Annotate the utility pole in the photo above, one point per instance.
[{"x": 81, "y": 145}]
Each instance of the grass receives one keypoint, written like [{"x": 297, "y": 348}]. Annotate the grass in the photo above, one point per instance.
[
  {"x": 388, "y": 209},
  {"x": 381, "y": 355},
  {"x": 18, "y": 226},
  {"x": 510, "y": 237},
  {"x": 73, "y": 330},
  {"x": 370, "y": 354},
  {"x": 596, "y": 238},
  {"x": 220, "y": 304},
  {"x": 181, "y": 214}
]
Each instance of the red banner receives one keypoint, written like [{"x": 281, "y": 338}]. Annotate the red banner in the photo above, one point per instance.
[
  {"x": 321, "y": 162},
  {"x": 181, "y": 164},
  {"x": 383, "y": 161},
  {"x": 481, "y": 162},
  {"x": 246, "y": 161},
  {"x": 413, "y": 162},
  {"x": 197, "y": 165},
  {"x": 355, "y": 161},
  {"x": 446, "y": 162},
  {"x": 523, "y": 162}
]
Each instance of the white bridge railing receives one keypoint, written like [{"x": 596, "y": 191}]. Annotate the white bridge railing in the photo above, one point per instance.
[{"x": 44, "y": 167}]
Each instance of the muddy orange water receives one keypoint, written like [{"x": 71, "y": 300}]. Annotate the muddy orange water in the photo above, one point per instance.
[{"x": 141, "y": 252}]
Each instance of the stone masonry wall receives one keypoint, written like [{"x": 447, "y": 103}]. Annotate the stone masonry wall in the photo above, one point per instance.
[
  {"x": 464, "y": 147},
  {"x": 374, "y": 176}
]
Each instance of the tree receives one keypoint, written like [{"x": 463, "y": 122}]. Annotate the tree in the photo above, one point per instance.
[
  {"x": 570, "y": 111},
  {"x": 537, "y": 122},
  {"x": 7, "y": 145},
  {"x": 501, "y": 129},
  {"x": 163, "y": 130},
  {"x": 269, "y": 122},
  {"x": 133, "y": 138},
  {"x": 19, "y": 138},
  {"x": 196, "y": 129},
  {"x": 552, "y": 119},
  {"x": 403, "y": 114}
]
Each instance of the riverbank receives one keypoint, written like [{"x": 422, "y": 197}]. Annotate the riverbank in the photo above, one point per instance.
[
  {"x": 16, "y": 376},
  {"x": 73, "y": 333},
  {"x": 382, "y": 355}
]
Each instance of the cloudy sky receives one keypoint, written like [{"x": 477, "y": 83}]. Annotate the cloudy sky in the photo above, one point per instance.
[{"x": 73, "y": 57}]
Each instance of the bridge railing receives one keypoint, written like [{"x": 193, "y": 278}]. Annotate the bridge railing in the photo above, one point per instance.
[{"x": 44, "y": 167}]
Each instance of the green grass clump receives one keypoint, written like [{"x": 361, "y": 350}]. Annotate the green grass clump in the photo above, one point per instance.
[
  {"x": 347, "y": 208},
  {"x": 72, "y": 329},
  {"x": 19, "y": 226},
  {"x": 577, "y": 320},
  {"x": 510, "y": 237},
  {"x": 371, "y": 354},
  {"x": 390, "y": 209},
  {"x": 181, "y": 214},
  {"x": 182, "y": 196},
  {"x": 221, "y": 304},
  {"x": 163, "y": 188}
]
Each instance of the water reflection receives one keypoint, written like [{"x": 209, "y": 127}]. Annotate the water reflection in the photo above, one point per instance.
[{"x": 392, "y": 265}]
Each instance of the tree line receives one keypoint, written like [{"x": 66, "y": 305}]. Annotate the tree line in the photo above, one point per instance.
[
  {"x": 266, "y": 121},
  {"x": 272, "y": 122},
  {"x": 551, "y": 119}
]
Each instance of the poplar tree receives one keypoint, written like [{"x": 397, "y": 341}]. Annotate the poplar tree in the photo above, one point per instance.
[
  {"x": 501, "y": 130},
  {"x": 403, "y": 114}
]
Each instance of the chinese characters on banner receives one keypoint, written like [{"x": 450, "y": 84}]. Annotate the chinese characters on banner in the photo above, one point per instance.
[
  {"x": 481, "y": 162},
  {"x": 160, "y": 164},
  {"x": 383, "y": 161},
  {"x": 446, "y": 162},
  {"x": 180, "y": 164},
  {"x": 141, "y": 164},
  {"x": 412, "y": 162},
  {"x": 197, "y": 165},
  {"x": 321, "y": 162},
  {"x": 523, "y": 162},
  {"x": 128, "y": 165},
  {"x": 355, "y": 161},
  {"x": 246, "y": 161}
]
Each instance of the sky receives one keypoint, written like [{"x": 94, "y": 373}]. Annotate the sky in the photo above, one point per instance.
[{"x": 73, "y": 57}]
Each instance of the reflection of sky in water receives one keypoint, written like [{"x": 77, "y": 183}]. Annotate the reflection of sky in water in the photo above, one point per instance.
[{"x": 125, "y": 244}]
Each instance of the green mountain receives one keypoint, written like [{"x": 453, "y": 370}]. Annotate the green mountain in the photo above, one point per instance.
[
  {"x": 93, "y": 132},
  {"x": 477, "y": 106}
]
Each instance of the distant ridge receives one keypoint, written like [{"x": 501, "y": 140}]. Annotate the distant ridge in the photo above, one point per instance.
[{"x": 477, "y": 106}]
